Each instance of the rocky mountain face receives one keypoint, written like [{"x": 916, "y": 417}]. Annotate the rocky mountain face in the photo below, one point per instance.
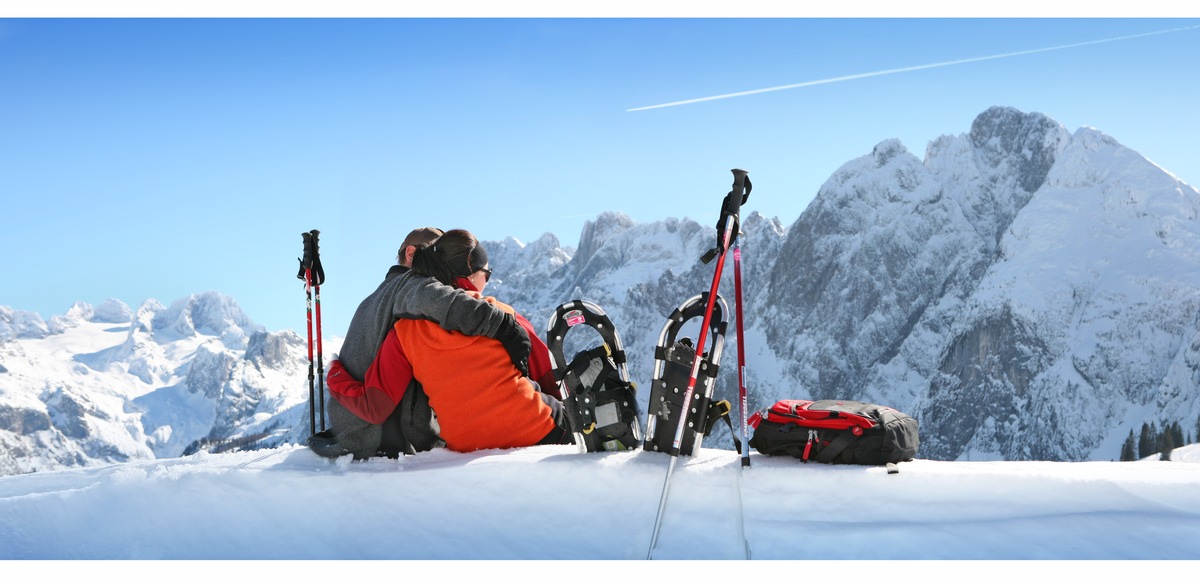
[{"x": 1024, "y": 291}]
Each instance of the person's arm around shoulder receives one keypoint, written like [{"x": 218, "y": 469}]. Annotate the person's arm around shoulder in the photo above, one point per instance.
[{"x": 423, "y": 297}]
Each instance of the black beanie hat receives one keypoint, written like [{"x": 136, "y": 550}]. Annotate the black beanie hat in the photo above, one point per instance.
[{"x": 477, "y": 258}]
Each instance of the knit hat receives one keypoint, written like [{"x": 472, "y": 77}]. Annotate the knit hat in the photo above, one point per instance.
[{"x": 477, "y": 258}]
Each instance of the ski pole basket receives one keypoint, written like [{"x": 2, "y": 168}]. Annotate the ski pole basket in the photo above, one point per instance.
[
  {"x": 600, "y": 400},
  {"x": 674, "y": 359}
]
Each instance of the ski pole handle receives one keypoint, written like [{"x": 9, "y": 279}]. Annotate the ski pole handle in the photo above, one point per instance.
[
  {"x": 306, "y": 258},
  {"x": 729, "y": 220},
  {"x": 312, "y": 257},
  {"x": 740, "y": 192}
]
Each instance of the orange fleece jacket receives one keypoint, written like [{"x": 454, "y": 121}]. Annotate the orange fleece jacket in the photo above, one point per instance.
[{"x": 481, "y": 399}]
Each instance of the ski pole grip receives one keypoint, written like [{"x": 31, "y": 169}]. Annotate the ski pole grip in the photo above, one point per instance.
[
  {"x": 741, "y": 190},
  {"x": 731, "y": 207},
  {"x": 306, "y": 259},
  {"x": 309, "y": 249}
]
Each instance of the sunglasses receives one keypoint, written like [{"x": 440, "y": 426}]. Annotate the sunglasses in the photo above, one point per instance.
[{"x": 487, "y": 274}]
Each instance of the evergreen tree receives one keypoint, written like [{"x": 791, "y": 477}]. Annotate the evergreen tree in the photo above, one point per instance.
[
  {"x": 1168, "y": 444},
  {"x": 1129, "y": 449},
  {"x": 1170, "y": 437},
  {"x": 1177, "y": 434},
  {"x": 1148, "y": 441}
]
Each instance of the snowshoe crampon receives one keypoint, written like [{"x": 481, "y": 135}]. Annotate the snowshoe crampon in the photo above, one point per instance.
[
  {"x": 674, "y": 359},
  {"x": 600, "y": 400}
]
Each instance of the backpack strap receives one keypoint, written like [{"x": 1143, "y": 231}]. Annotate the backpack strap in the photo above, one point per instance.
[{"x": 830, "y": 451}]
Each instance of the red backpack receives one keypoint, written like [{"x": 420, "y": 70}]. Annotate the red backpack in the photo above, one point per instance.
[{"x": 835, "y": 431}]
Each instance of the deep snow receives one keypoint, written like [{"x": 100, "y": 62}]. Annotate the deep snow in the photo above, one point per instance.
[{"x": 553, "y": 503}]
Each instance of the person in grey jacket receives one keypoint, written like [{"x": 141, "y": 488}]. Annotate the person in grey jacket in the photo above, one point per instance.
[{"x": 403, "y": 294}]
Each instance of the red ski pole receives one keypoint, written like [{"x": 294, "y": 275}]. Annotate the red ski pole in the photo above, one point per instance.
[
  {"x": 306, "y": 275},
  {"x": 318, "y": 278},
  {"x": 729, "y": 217},
  {"x": 741, "y": 350}
]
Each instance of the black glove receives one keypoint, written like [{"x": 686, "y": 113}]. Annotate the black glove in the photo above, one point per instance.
[{"x": 516, "y": 341}]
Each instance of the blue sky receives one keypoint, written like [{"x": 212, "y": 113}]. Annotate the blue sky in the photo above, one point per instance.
[{"x": 155, "y": 158}]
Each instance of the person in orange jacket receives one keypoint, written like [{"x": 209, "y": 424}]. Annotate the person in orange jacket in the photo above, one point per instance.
[{"x": 482, "y": 401}]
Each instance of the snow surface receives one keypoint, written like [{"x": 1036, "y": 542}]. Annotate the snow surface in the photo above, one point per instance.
[{"x": 553, "y": 503}]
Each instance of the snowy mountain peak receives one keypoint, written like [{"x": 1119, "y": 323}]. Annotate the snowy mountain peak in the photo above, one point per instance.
[
  {"x": 21, "y": 324},
  {"x": 1017, "y": 146},
  {"x": 112, "y": 311},
  {"x": 595, "y": 234},
  {"x": 885, "y": 151},
  {"x": 208, "y": 313}
]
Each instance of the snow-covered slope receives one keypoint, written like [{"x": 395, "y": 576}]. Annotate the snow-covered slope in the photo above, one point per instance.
[{"x": 554, "y": 503}]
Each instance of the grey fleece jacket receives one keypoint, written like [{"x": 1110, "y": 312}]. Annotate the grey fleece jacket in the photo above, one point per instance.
[{"x": 403, "y": 294}]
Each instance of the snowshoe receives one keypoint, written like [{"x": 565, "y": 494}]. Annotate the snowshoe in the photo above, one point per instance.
[
  {"x": 673, "y": 362},
  {"x": 600, "y": 401}
]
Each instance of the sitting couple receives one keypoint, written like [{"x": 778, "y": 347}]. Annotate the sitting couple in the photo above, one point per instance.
[{"x": 427, "y": 339}]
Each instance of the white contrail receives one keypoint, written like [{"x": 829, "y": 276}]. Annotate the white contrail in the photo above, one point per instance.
[{"x": 907, "y": 69}]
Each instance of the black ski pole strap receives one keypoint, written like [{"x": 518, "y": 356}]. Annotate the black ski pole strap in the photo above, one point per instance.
[
  {"x": 830, "y": 451},
  {"x": 318, "y": 271},
  {"x": 731, "y": 206}
]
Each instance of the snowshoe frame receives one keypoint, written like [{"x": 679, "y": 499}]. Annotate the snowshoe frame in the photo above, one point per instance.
[
  {"x": 672, "y": 369},
  {"x": 604, "y": 414}
]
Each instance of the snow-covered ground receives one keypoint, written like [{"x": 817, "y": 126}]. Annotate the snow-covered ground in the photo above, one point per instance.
[{"x": 551, "y": 503}]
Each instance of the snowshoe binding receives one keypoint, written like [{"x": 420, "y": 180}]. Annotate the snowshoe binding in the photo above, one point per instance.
[{"x": 600, "y": 401}]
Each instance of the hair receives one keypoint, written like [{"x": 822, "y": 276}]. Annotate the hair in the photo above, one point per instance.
[
  {"x": 417, "y": 237},
  {"x": 455, "y": 254}
]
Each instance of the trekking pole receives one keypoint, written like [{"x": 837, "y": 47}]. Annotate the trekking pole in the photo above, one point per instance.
[
  {"x": 305, "y": 274},
  {"x": 318, "y": 278},
  {"x": 729, "y": 217},
  {"x": 741, "y": 350}
]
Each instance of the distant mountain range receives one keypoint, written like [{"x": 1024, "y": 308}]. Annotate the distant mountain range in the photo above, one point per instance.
[
  {"x": 105, "y": 384},
  {"x": 1026, "y": 292}
]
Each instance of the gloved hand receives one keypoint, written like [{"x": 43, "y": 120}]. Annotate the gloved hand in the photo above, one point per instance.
[{"x": 516, "y": 342}]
